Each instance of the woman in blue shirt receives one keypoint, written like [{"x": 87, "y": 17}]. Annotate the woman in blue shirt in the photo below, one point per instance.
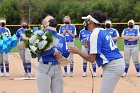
[
  {"x": 49, "y": 74},
  {"x": 104, "y": 51}
]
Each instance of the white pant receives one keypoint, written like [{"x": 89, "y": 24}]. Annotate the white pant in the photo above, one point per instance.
[
  {"x": 49, "y": 78},
  {"x": 111, "y": 75}
]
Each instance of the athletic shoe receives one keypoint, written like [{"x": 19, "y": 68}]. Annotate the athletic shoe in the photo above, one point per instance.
[
  {"x": 94, "y": 74},
  {"x": 65, "y": 74},
  {"x": 25, "y": 75},
  {"x": 84, "y": 74},
  {"x": 71, "y": 74},
  {"x": 2, "y": 74},
  {"x": 138, "y": 74},
  {"x": 29, "y": 75},
  {"x": 124, "y": 74},
  {"x": 7, "y": 74},
  {"x": 102, "y": 75}
]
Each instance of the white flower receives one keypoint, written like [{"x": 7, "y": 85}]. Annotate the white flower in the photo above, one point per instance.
[
  {"x": 32, "y": 39},
  {"x": 44, "y": 37},
  {"x": 33, "y": 48},
  {"x": 32, "y": 31},
  {"x": 37, "y": 41},
  {"x": 42, "y": 44}
]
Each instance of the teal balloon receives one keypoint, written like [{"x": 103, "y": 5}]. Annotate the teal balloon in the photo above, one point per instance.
[
  {"x": 13, "y": 41},
  {"x": 1, "y": 46}
]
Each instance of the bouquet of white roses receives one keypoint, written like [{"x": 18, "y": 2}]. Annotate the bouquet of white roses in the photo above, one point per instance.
[{"x": 39, "y": 42}]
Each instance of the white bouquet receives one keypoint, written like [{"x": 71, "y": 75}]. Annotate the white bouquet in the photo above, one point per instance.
[{"x": 39, "y": 42}]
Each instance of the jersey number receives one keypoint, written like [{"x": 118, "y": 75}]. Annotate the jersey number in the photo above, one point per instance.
[{"x": 112, "y": 44}]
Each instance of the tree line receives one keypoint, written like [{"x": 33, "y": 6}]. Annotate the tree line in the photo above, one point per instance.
[{"x": 115, "y": 10}]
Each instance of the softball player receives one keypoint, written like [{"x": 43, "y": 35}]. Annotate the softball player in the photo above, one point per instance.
[
  {"x": 84, "y": 38},
  {"x": 24, "y": 52},
  {"x": 113, "y": 32},
  {"x": 131, "y": 47},
  {"x": 69, "y": 31},
  {"x": 104, "y": 51},
  {"x": 49, "y": 75},
  {"x": 4, "y": 56}
]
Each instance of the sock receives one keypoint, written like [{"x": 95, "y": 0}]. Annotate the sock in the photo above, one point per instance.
[
  {"x": 65, "y": 68},
  {"x": 126, "y": 68},
  {"x": 25, "y": 68},
  {"x": 2, "y": 68},
  {"x": 7, "y": 67},
  {"x": 137, "y": 66},
  {"x": 71, "y": 67},
  {"x": 94, "y": 67},
  {"x": 28, "y": 67},
  {"x": 84, "y": 66}
]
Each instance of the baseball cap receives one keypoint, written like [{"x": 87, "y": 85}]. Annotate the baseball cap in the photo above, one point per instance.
[
  {"x": 108, "y": 22},
  {"x": 91, "y": 18},
  {"x": 131, "y": 21},
  {"x": 2, "y": 21}
]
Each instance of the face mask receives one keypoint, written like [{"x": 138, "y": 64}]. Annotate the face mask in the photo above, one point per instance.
[
  {"x": 24, "y": 26},
  {"x": 107, "y": 25},
  {"x": 2, "y": 24},
  {"x": 67, "y": 22},
  {"x": 130, "y": 26}
]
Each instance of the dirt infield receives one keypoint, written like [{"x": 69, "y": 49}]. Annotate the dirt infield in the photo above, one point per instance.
[{"x": 76, "y": 84}]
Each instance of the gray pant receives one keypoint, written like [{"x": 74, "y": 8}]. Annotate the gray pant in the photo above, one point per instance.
[
  {"x": 131, "y": 50},
  {"x": 4, "y": 58},
  {"x": 111, "y": 75},
  {"x": 49, "y": 78},
  {"x": 71, "y": 55},
  {"x": 24, "y": 55}
]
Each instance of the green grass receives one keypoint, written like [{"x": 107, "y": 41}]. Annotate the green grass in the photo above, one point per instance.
[
  {"x": 120, "y": 44},
  {"x": 77, "y": 43}
]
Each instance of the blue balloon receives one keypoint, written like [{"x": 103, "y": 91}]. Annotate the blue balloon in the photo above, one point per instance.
[
  {"x": 13, "y": 41},
  {"x": 1, "y": 46}
]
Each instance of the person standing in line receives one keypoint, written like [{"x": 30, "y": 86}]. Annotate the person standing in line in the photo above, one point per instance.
[
  {"x": 131, "y": 47},
  {"x": 69, "y": 31},
  {"x": 104, "y": 51},
  {"x": 112, "y": 31},
  {"x": 4, "y": 56},
  {"x": 84, "y": 38},
  {"x": 24, "y": 52}
]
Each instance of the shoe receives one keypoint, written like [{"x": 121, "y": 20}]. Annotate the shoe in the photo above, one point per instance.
[
  {"x": 29, "y": 75},
  {"x": 7, "y": 74},
  {"x": 25, "y": 75},
  {"x": 71, "y": 74},
  {"x": 124, "y": 74},
  {"x": 138, "y": 74},
  {"x": 94, "y": 74},
  {"x": 2, "y": 74},
  {"x": 102, "y": 75},
  {"x": 65, "y": 74},
  {"x": 84, "y": 74}
]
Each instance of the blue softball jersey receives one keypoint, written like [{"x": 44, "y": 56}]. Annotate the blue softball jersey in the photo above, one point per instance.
[
  {"x": 113, "y": 32},
  {"x": 47, "y": 56},
  {"x": 19, "y": 34},
  {"x": 5, "y": 31},
  {"x": 102, "y": 44},
  {"x": 128, "y": 32},
  {"x": 67, "y": 36},
  {"x": 84, "y": 35}
]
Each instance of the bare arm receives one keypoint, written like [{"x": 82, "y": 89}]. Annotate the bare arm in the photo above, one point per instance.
[
  {"x": 90, "y": 57},
  {"x": 71, "y": 34},
  {"x": 116, "y": 38}
]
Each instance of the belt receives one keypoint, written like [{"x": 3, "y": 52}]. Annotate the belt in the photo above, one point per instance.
[
  {"x": 70, "y": 41},
  {"x": 52, "y": 63},
  {"x": 130, "y": 44}
]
